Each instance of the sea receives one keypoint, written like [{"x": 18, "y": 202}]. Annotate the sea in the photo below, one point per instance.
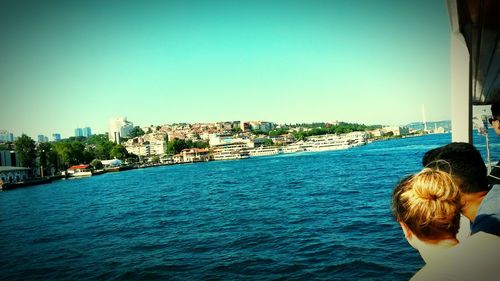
[{"x": 305, "y": 216}]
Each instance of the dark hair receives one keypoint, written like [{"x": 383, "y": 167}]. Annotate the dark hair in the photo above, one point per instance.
[
  {"x": 495, "y": 109},
  {"x": 464, "y": 163}
]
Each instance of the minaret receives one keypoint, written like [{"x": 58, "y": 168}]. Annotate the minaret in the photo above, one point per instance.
[{"x": 423, "y": 118}]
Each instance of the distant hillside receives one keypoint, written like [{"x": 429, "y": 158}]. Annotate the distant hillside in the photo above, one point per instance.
[{"x": 446, "y": 124}]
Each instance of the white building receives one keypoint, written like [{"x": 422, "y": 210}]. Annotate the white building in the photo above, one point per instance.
[
  {"x": 9, "y": 174},
  {"x": 397, "y": 131},
  {"x": 119, "y": 128},
  {"x": 261, "y": 125},
  {"x": 147, "y": 145}
]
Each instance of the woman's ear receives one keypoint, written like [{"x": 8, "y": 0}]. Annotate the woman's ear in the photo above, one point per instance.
[
  {"x": 409, "y": 235},
  {"x": 406, "y": 231}
]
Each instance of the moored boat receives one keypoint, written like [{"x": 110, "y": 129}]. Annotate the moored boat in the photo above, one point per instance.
[{"x": 79, "y": 171}]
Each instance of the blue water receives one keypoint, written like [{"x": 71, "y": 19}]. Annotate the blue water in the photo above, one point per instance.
[{"x": 308, "y": 216}]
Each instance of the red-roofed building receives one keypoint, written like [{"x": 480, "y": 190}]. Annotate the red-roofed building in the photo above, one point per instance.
[
  {"x": 79, "y": 171},
  {"x": 192, "y": 155}
]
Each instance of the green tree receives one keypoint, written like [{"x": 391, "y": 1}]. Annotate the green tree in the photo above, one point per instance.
[
  {"x": 97, "y": 164},
  {"x": 46, "y": 162},
  {"x": 132, "y": 158},
  {"x": 103, "y": 150},
  {"x": 26, "y": 150},
  {"x": 53, "y": 161},
  {"x": 62, "y": 151},
  {"x": 176, "y": 146},
  {"x": 259, "y": 132},
  {"x": 278, "y": 132},
  {"x": 155, "y": 159},
  {"x": 71, "y": 153},
  {"x": 97, "y": 139},
  {"x": 118, "y": 152},
  {"x": 136, "y": 132},
  {"x": 268, "y": 142},
  {"x": 76, "y": 153}
]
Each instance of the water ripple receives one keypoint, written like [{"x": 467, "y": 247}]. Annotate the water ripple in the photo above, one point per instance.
[{"x": 290, "y": 217}]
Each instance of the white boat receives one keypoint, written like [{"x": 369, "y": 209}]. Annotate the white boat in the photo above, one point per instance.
[
  {"x": 264, "y": 151},
  {"x": 79, "y": 171},
  {"x": 233, "y": 151},
  {"x": 293, "y": 148},
  {"x": 331, "y": 142}
]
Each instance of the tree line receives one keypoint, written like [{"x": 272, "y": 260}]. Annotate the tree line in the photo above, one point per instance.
[{"x": 58, "y": 156}]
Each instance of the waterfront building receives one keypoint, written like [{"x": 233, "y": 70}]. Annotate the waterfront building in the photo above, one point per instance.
[
  {"x": 42, "y": 138},
  {"x": 78, "y": 132},
  {"x": 79, "y": 171},
  {"x": 56, "y": 137},
  {"x": 190, "y": 155},
  {"x": 5, "y": 136},
  {"x": 377, "y": 132},
  {"x": 361, "y": 136},
  {"x": 396, "y": 130},
  {"x": 9, "y": 158},
  {"x": 119, "y": 128},
  {"x": 147, "y": 145},
  {"x": 10, "y": 174}
]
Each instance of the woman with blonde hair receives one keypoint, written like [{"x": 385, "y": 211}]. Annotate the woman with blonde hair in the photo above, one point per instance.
[{"x": 427, "y": 206}]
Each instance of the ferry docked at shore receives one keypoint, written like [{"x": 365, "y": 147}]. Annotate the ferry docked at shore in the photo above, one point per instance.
[
  {"x": 243, "y": 150},
  {"x": 333, "y": 142},
  {"x": 233, "y": 151},
  {"x": 264, "y": 151},
  {"x": 78, "y": 171},
  {"x": 327, "y": 142}
]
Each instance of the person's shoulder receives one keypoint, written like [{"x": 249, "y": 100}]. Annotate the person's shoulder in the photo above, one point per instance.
[
  {"x": 476, "y": 256},
  {"x": 495, "y": 189},
  {"x": 480, "y": 242},
  {"x": 434, "y": 272}
]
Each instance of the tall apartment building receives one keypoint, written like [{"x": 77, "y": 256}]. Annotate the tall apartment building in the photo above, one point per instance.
[
  {"x": 119, "y": 128},
  {"x": 78, "y": 132},
  {"x": 5, "y": 136},
  {"x": 87, "y": 132},
  {"x": 42, "y": 138},
  {"x": 56, "y": 137}
]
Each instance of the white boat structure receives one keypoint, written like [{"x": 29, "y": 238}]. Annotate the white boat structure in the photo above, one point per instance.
[
  {"x": 329, "y": 142},
  {"x": 79, "y": 171},
  {"x": 226, "y": 148},
  {"x": 294, "y": 147},
  {"x": 233, "y": 151},
  {"x": 264, "y": 151}
]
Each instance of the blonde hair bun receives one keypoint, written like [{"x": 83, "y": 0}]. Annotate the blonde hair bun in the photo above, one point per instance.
[{"x": 429, "y": 204}]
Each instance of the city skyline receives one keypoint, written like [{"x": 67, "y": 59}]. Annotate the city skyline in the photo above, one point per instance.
[{"x": 67, "y": 64}]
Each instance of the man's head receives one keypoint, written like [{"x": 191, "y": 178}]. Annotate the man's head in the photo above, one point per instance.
[
  {"x": 495, "y": 120},
  {"x": 464, "y": 163}
]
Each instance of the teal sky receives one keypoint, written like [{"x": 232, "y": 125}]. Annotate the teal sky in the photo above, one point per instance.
[{"x": 68, "y": 64}]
